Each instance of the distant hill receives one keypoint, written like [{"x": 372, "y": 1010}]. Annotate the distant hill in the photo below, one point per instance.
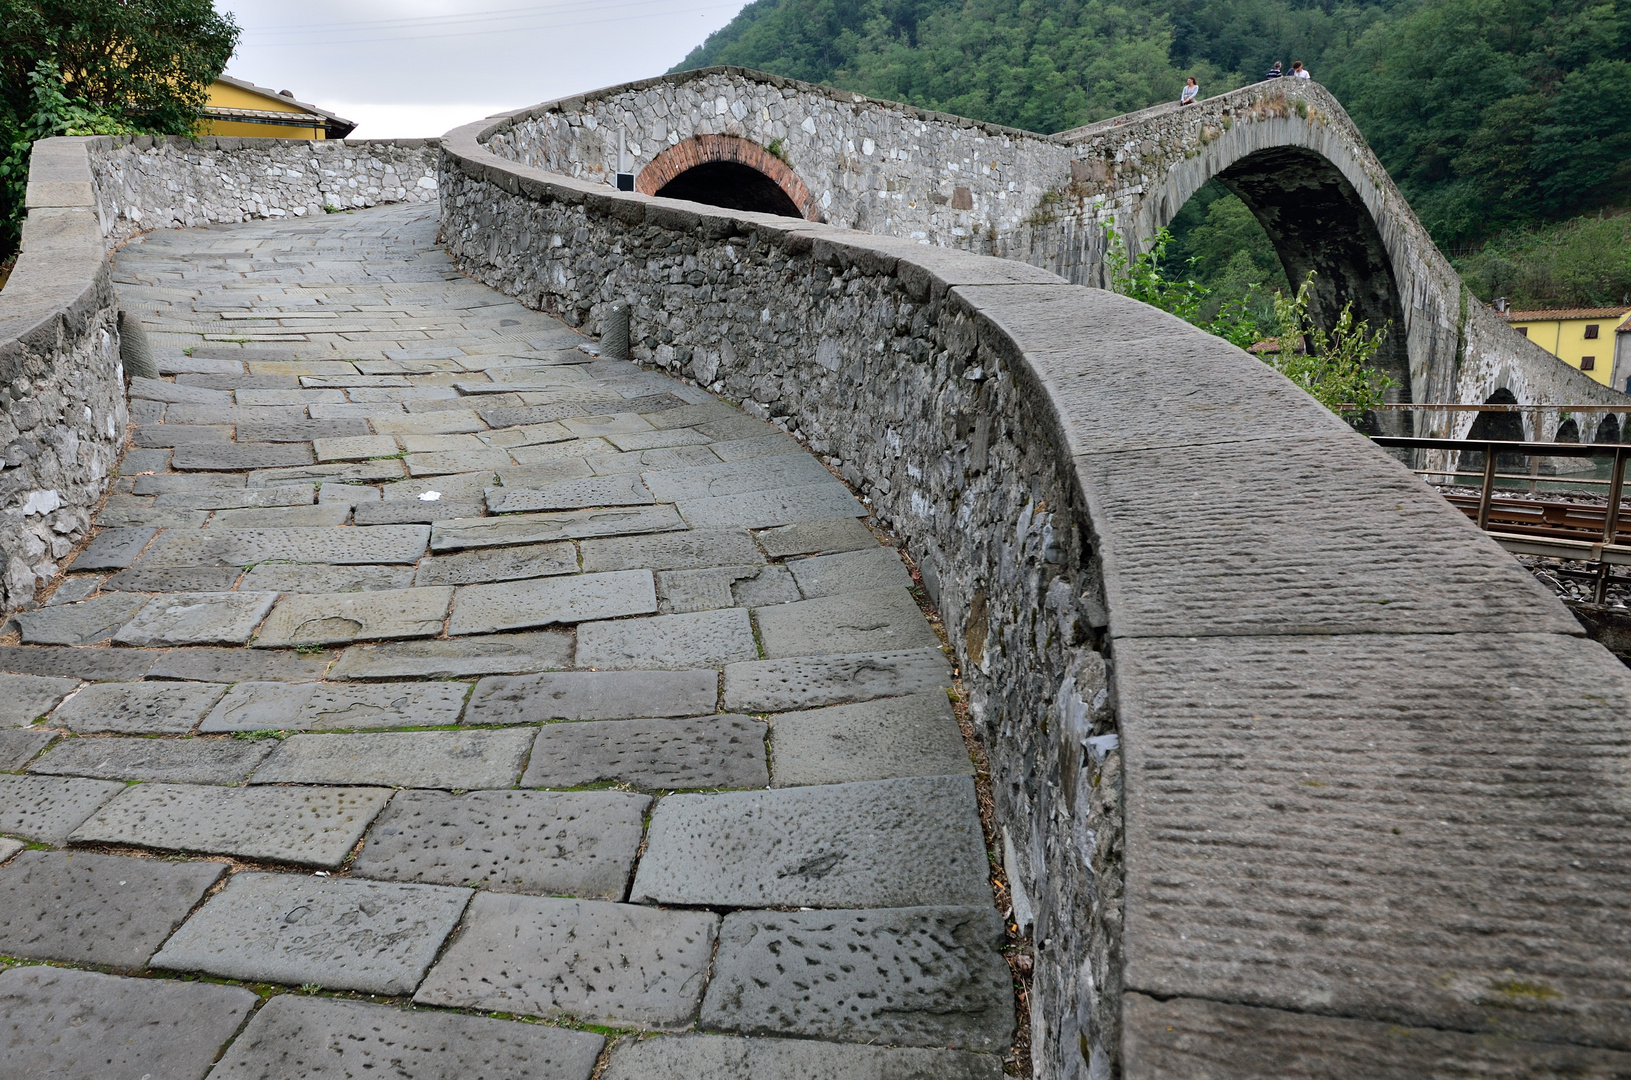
[{"x": 1490, "y": 114}]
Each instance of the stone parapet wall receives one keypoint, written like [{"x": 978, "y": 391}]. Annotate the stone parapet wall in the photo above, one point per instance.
[
  {"x": 62, "y": 402},
  {"x": 1225, "y": 655},
  {"x": 875, "y": 166},
  {"x": 165, "y": 183}
]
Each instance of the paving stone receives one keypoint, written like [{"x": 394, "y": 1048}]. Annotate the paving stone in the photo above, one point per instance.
[
  {"x": 569, "y": 494},
  {"x": 125, "y": 515},
  {"x": 693, "y": 639},
  {"x": 550, "y": 472},
  {"x": 871, "y": 568},
  {"x": 174, "y": 579},
  {"x": 577, "y": 843},
  {"x": 149, "y": 436},
  {"x": 337, "y": 933},
  {"x": 737, "y": 427},
  {"x": 764, "y": 509},
  {"x": 493, "y": 654},
  {"x": 455, "y": 760},
  {"x": 18, "y": 746},
  {"x": 79, "y": 908},
  {"x": 691, "y": 550},
  {"x": 245, "y": 547},
  {"x": 26, "y": 698},
  {"x": 852, "y": 622},
  {"x": 585, "y": 959},
  {"x": 159, "y": 390},
  {"x": 455, "y": 461},
  {"x": 305, "y": 826},
  {"x": 85, "y": 623},
  {"x": 440, "y": 422},
  {"x": 137, "y": 462},
  {"x": 884, "y": 843},
  {"x": 57, "y": 1022},
  {"x": 609, "y": 463},
  {"x": 138, "y": 708},
  {"x": 323, "y": 1038},
  {"x": 687, "y": 416},
  {"x": 725, "y": 586},
  {"x": 198, "y": 619},
  {"x": 761, "y": 447},
  {"x": 724, "y": 751},
  {"x": 238, "y": 498},
  {"x": 528, "y": 435},
  {"x": 917, "y": 976},
  {"x": 365, "y": 472},
  {"x": 528, "y": 414},
  {"x": 737, "y": 478},
  {"x": 282, "y": 517},
  {"x": 300, "y": 430},
  {"x": 289, "y": 396},
  {"x": 240, "y": 665},
  {"x": 172, "y": 483},
  {"x": 498, "y": 564},
  {"x": 413, "y": 511},
  {"x": 233, "y": 457},
  {"x": 71, "y": 590},
  {"x": 9, "y": 847},
  {"x": 92, "y": 665},
  {"x": 915, "y": 735},
  {"x": 48, "y": 808},
  {"x": 441, "y": 490},
  {"x": 591, "y": 695},
  {"x": 721, "y": 1057},
  {"x": 176, "y": 761},
  {"x": 657, "y": 440},
  {"x": 339, "y": 617},
  {"x": 352, "y": 495},
  {"x": 274, "y": 706},
  {"x": 355, "y": 448},
  {"x": 307, "y": 578},
  {"x": 514, "y": 605},
  {"x": 459, "y": 533}
]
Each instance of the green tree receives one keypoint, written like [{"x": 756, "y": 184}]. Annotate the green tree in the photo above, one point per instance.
[
  {"x": 1334, "y": 366},
  {"x": 100, "y": 66}
]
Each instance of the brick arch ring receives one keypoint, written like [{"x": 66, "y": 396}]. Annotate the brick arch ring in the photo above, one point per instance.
[{"x": 702, "y": 149}]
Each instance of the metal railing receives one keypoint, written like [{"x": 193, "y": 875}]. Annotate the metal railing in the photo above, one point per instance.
[{"x": 1575, "y": 532}]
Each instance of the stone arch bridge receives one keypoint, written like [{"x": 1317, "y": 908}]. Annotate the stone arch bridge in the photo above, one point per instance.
[{"x": 1286, "y": 148}]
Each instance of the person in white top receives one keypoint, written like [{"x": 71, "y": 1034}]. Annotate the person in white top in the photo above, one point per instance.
[
  {"x": 1191, "y": 92},
  {"x": 1298, "y": 70}
]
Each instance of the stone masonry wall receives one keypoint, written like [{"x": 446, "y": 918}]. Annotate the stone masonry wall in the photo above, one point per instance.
[
  {"x": 62, "y": 402},
  {"x": 153, "y": 183},
  {"x": 874, "y": 166},
  {"x": 957, "y": 448}
]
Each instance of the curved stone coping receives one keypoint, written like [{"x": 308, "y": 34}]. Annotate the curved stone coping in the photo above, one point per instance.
[
  {"x": 61, "y": 279},
  {"x": 1374, "y": 775},
  {"x": 680, "y": 78}
]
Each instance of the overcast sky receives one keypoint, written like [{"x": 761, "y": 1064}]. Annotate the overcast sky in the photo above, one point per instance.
[{"x": 405, "y": 68}]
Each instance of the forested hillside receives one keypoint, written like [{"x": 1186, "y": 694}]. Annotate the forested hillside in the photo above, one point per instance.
[{"x": 1494, "y": 116}]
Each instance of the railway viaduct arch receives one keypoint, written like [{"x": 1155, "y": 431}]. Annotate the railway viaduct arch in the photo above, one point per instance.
[{"x": 1287, "y": 148}]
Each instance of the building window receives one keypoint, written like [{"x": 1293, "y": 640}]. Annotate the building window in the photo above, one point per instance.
[
  {"x": 1524, "y": 330},
  {"x": 1591, "y": 332},
  {"x": 1587, "y": 363}
]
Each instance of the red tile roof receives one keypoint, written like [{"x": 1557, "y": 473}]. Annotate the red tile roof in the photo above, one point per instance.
[{"x": 1552, "y": 314}]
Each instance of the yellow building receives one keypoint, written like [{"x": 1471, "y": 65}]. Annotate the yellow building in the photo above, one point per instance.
[
  {"x": 235, "y": 107},
  {"x": 1580, "y": 337}
]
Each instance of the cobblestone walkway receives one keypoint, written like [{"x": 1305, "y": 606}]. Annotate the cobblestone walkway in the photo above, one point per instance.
[{"x": 457, "y": 680}]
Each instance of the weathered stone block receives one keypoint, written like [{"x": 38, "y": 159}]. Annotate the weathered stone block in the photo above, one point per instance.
[
  {"x": 327, "y": 1037},
  {"x": 776, "y": 685},
  {"x": 85, "y": 623},
  {"x": 79, "y": 908},
  {"x": 480, "y": 609},
  {"x": 491, "y": 654},
  {"x": 591, "y": 695},
  {"x": 47, "y": 809},
  {"x": 719, "y": 1057},
  {"x": 916, "y": 976},
  {"x": 655, "y": 755},
  {"x": 307, "y": 826},
  {"x": 179, "y": 761},
  {"x": 138, "y": 708},
  {"x": 326, "y": 618},
  {"x": 590, "y": 961},
  {"x": 579, "y": 843},
  {"x": 26, "y": 698},
  {"x": 498, "y": 564},
  {"x": 883, "y": 620},
  {"x": 886, "y": 843},
  {"x": 915, "y": 735},
  {"x": 458, "y": 760},
  {"x": 694, "y": 639},
  {"x": 339, "y": 933},
  {"x": 689, "y": 550},
  {"x": 198, "y": 619}
]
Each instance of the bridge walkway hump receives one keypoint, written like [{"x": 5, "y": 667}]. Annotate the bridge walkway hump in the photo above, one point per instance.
[{"x": 428, "y": 675}]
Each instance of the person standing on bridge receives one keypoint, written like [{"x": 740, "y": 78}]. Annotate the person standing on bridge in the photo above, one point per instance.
[
  {"x": 1274, "y": 72},
  {"x": 1299, "y": 71},
  {"x": 1192, "y": 90}
]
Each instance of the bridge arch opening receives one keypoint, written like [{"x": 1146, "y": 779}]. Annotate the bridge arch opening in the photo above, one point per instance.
[
  {"x": 1317, "y": 222},
  {"x": 731, "y": 172}
]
